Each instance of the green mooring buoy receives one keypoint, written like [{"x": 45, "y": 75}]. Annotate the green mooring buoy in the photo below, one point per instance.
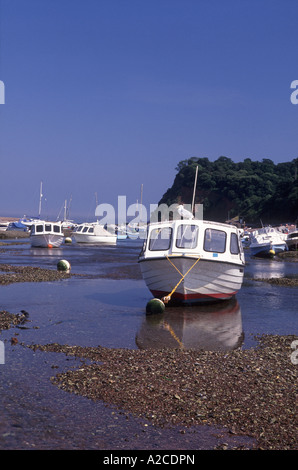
[
  {"x": 155, "y": 306},
  {"x": 63, "y": 265}
]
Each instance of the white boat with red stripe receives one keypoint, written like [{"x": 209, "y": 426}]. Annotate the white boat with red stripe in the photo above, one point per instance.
[{"x": 192, "y": 261}]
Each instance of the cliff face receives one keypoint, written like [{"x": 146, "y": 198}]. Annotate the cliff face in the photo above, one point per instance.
[{"x": 253, "y": 191}]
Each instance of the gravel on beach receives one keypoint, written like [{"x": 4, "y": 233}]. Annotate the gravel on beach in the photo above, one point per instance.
[
  {"x": 251, "y": 392},
  {"x": 29, "y": 274}
]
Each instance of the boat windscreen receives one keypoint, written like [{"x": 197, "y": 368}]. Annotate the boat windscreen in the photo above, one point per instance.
[
  {"x": 160, "y": 239},
  {"x": 215, "y": 240},
  {"x": 187, "y": 236}
]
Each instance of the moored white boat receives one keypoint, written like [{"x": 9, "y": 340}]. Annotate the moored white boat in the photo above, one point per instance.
[
  {"x": 292, "y": 240},
  {"x": 192, "y": 260},
  {"x": 267, "y": 242},
  {"x": 44, "y": 234},
  {"x": 93, "y": 233},
  {"x": 3, "y": 226}
]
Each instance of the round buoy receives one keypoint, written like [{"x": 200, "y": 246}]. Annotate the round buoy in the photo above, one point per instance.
[
  {"x": 68, "y": 240},
  {"x": 50, "y": 245},
  {"x": 155, "y": 306},
  {"x": 63, "y": 265},
  {"x": 271, "y": 252}
]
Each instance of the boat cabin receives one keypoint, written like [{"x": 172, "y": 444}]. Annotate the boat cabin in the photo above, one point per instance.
[
  {"x": 84, "y": 229},
  {"x": 193, "y": 238},
  {"x": 46, "y": 227}
]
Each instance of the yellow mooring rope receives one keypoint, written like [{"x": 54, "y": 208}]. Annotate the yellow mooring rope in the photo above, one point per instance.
[
  {"x": 172, "y": 332},
  {"x": 167, "y": 298}
]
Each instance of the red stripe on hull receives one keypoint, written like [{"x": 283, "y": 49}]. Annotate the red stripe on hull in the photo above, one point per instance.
[{"x": 193, "y": 297}]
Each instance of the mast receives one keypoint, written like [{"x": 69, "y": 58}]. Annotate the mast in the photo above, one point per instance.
[
  {"x": 141, "y": 203},
  {"x": 40, "y": 197},
  {"x": 194, "y": 191}
]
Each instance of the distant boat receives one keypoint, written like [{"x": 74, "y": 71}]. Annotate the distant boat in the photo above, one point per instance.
[
  {"x": 67, "y": 223},
  {"x": 267, "y": 242},
  {"x": 93, "y": 233},
  {"x": 292, "y": 240},
  {"x": 20, "y": 225},
  {"x": 121, "y": 232},
  {"x": 3, "y": 226},
  {"x": 136, "y": 231},
  {"x": 192, "y": 261},
  {"x": 46, "y": 234}
]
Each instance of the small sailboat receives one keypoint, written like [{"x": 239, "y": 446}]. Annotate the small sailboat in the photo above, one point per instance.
[
  {"x": 136, "y": 229},
  {"x": 45, "y": 234},
  {"x": 67, "y": 223}
]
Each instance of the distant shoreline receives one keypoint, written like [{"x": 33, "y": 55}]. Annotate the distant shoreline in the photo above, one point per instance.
[
  {"x": 8, "y": 219},
  {"x": 10, "y": 234}
]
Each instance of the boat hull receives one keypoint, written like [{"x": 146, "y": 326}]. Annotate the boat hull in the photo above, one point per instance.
[
  {"x": 292, "y": 241},
  {"x": 46, "y": 240},
  {"x": 267, "y": 250},
  {"x": 83, "y": 238},
  {"x": 206, "y": 281}
]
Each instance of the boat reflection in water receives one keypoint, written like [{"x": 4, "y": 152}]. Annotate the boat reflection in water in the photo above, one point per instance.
[
  {"x": 46, "y": 252},
  {"x": 216, "y": 327}
]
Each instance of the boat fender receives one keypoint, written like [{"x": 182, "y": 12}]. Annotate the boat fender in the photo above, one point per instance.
[
  {"x": 63, "y": 265},
  {"x": 155, "y": 306}
]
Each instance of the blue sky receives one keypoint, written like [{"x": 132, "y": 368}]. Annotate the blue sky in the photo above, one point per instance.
[{"x": 102, "y": 96}]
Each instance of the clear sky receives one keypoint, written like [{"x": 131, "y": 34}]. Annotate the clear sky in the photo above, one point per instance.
[{"x": 102, "y": 96}]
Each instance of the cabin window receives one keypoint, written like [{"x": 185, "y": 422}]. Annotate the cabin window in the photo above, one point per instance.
[
  {"x": 57, "y": 228},
  {"x": 79, "y": 229},
  {"x": 39, "y": 228},
  {"x": 187, "y": 236},
  {"x": 160, "y": 239},
  {"x": 91, "y": 230},
  {"x": 48, "y": 227},
  {"x": 215, "y": 240},
  {"x": 85, "y": 229},
  {"x": 234, "y": 245}
]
